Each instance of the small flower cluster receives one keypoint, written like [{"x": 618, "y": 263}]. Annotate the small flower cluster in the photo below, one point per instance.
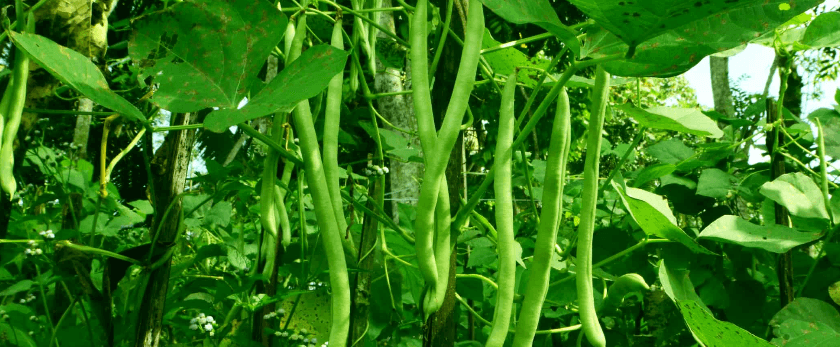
[
  {"x": 3, "y": 315},
  {"x": 375, "y": 170},
  {"x": 32, "y": 249},
  {"x": 203, "y": 323},
  {"x": 47, "y": 234},
  {"x": 280, "y": 312},
  {"x": 300, "y": 337},
  {"x": 188, "y": 235},
  {"x": 315, "y": 285},
  {"x": 29, "y": 298}
]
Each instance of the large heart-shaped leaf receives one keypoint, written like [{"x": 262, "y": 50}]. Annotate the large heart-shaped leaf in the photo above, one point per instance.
[
  {"x": 537, "y": 12},
  {"x": 635, "y": 22},
  {"x": 653, "y": 215},
  {"x": 824, "y": 31},
  {"x": 798, "y": 193},
  {"x": 684, "y": 120},
  {"x": 677, "y": 285},
  {"x": 773, "y": 238},
  {"x": 678, "y": 46},
  {"x": 205, "y": 53},
  {"x": 304, "y": 78},
  {"x": 75, "y": 70}
]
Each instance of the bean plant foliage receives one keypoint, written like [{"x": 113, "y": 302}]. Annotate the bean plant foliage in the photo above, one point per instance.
[{"x": 247, "y": 176}]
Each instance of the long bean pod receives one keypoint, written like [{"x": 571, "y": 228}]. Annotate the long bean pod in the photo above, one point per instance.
[
  {"x": 586, "y": 229},
  {"x": 555, "y": 174},
  {"x": 21, "y": 76},
  {"x": 316, "y": 178},
  {"x": 504, "y": 218},
  {"x": 268, "y": 199},
  {"x": 437, "y": 146},
  {"x": 4, "y": 107},
  {"x": 332, "y": 119}
]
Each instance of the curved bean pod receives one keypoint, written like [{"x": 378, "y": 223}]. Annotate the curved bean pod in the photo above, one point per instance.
[
  {"x": 332, "y": 119},
  {"x": 438, "y": 146},
  {"x": 268, "y": 209},
  {"x": 555, "y": 174},
  {"x": 504, "y": 218},
  {"x": 586, "y": 229},
  {"x": 18, "y": 98}
]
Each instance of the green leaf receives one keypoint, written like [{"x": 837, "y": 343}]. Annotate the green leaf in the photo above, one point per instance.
[
  {"x": 75, "y": 70},
  {"x": 16, "y": 336},
  {"x": 505, "y": 61},
  {"x": 304, "y": 78},
  {"x": 673, "y": 39},
  {"x": 830, "y": 120},
  {"x": 806, "y": 322},
  {"x": 677, "y": 284},
  {"x": 205, "y": 53},
  {"x": 684, "y": 120},
  {"x": 219, "y": 214},
  {"x": 714, "y": 333},
  {"x": 21, "y": 286},
  {"x": 798, "y": 193},
  {"x": 653, "y": 215},
  {"x": 537, "y": 12},
  {"x": 236, "y": 258},
  {"x": 824, "y": 31},
  {"x": 652, "y": 172},
  {"x": 715, "y": 183},
  {"x": 671, "y": 151},
  {"x": 773, "y": 238}
]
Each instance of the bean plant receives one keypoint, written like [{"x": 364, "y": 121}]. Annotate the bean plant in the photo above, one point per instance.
[{"x": 262, "y": 140}]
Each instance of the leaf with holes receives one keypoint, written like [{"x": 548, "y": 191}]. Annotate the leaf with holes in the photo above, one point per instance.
[
  {"x": 684, "y": 120},
  {"x": 75, "y": 70},
  {"x": 667, "y": 47},
  {"x": 798, "y": 193},
  {"x": 537, "y": 12},
  {"x": 304, "y": 78},
  {"x": 806, "y": 322},
  {"x": 205, "y": 53},
  {"x": 773, "y": 238},
  {"x": 714, "y": 333}
]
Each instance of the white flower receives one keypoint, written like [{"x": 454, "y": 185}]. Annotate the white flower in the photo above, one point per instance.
[
  {"x": 193, "y": 326},
  {"x": 208, "y": 327},
  {"x": 313, "y": 340},
  {"x": 277, "y": 333},
  {"x": 201, "y": 315},
  {"x": 281, "y": 311},
  {"x": 32, "y": 242},
  {"x": 22, "y": 301},
  {"x": 385, "y": 168},
  {"x": 285, "y": 334},
  {"x": 192, "y": 321},
  {"x": 303, "y": 331},
  {"x": 212, "y": 333},
  {"x": 38, "y": 251},
  {"x": 305, "y": 340},
  {"x": 202, "y": 320},
  {"x": 27, "y": 251},
  {"x": 210, "y": 319}
]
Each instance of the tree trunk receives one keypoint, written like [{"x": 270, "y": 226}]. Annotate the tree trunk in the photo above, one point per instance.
[
  {"x": 169, "y": 168},
  {"x": 360, "y": 317},
  {"x": 398, "y": 110},
  {"x": 80, "y": 135},
  {"x": 720, "y": 85}
]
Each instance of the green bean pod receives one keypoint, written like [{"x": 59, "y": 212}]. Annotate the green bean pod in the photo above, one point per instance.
[
  {"x": 555, "y": 175},
  {"x": 332, "y": 119},
  {"x": 4, "y": 107},
  {"x": 324, "y": 212},
  {"x": 268, "y": 204},
  {"x": 506, "y": 276},
  {"x": 18, "y": 98},
  {"x": 626, "y": 284},
  {"x": 437, "y": 147},
  {"x": 586, "y": 229},
  {"x": 443, "y": 246}
]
